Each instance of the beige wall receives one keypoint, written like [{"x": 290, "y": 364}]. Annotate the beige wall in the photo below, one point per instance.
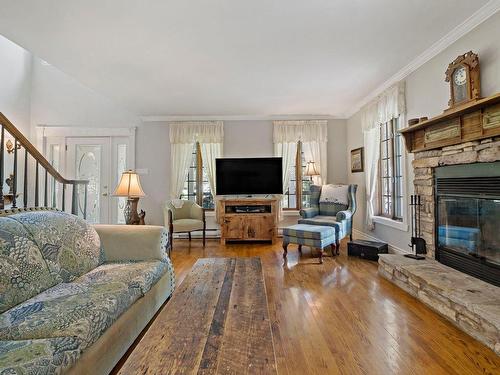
[
  {"x": 427, "y": 94},
  {"x": 252, "y": 138}
]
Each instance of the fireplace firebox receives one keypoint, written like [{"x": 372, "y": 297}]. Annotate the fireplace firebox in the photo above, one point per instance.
[{"x": 467, "y": 223}]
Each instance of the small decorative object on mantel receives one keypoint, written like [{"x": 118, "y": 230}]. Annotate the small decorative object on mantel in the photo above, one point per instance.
[
  {"x": 463, "y": 76},
  {"x": 357, "y": 160},
  {"x": 418, "y": 245},
  {"x": 413, "y": 121},
  {"x": 130, "y": 187}
]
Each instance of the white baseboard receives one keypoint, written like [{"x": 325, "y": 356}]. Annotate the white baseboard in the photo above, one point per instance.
[{"x": 357, "y": 234}]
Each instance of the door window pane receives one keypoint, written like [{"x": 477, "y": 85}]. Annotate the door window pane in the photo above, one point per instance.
[{"x": 88, "y": 167}]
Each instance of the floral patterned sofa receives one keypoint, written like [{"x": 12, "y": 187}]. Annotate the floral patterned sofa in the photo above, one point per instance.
[{"x": 74, "y": 297}]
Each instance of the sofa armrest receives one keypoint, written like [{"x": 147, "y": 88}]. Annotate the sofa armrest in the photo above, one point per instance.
[
  {"x": 307, "y": 213},
  {"x": 344, "y": 215},
  {"x": 132, "y": 242}
]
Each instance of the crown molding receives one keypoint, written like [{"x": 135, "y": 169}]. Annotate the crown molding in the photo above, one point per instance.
[
  {"x": 240, "y": 118},
  {"x": 478, "y": 17}
]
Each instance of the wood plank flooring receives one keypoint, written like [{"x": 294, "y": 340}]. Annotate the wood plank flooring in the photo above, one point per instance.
[{"x": 342, "y": 318}]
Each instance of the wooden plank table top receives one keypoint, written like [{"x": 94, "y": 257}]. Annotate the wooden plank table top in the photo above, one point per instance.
[{"x": 217, "y": 322}]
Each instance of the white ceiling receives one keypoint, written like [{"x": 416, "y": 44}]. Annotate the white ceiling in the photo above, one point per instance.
[{"x": 230, "y": 57}]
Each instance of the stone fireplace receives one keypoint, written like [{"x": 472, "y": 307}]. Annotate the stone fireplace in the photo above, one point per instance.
[
  {"x": 457, "y": 174},
  {"x": 449, "y": 195}
]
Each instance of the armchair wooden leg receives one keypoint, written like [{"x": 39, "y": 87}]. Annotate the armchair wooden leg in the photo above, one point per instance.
[
  {"x": 300, "y": 249},
  {"x": 171, "y": 241},
  {"x": 320, "y": 256},
  {"x": 189, "y": 234},
  {"x": 204, "y": 236},
  {"x": 350, "y": 237},
  {"x": 337, "y": 246},
  {"x": 285, "y": 250},
  {"x": 333, "y": 249}
]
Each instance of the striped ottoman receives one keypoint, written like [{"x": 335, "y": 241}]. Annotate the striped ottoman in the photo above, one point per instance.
[{"x": 314, "y": 236}]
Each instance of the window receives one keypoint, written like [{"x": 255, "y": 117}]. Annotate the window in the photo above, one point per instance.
[
  {"x": 299, "y": 188},
  {"x": 196, "y": 187},
  {"x": 391, "y": 171}
]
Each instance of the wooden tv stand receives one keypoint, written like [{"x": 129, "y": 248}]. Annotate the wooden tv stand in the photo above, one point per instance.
[{"x": 248, "y": 219}]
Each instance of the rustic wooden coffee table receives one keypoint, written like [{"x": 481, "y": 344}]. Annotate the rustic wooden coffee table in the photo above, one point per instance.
[{"x": 217, "y": 322}]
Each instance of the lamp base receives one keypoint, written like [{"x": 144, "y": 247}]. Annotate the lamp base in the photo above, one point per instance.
[{"x": 130, "y": 212}]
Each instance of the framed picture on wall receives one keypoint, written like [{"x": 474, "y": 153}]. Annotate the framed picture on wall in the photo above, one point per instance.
[{"x": 357, "y": 160}]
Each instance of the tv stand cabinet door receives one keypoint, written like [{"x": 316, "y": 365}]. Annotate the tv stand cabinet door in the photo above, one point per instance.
[
  {"x": 233, "y": 227},
  {"x": 259, "y": 227}
]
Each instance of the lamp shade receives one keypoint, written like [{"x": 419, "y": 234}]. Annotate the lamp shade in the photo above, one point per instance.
[
  {"x": 311, "y": 169},
  {"x": 129, "y": 186}
]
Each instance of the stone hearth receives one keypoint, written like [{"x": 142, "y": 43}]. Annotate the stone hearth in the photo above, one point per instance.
[
  {"x": 470, "y": 304},
  {"x": 486, "y": 150}
]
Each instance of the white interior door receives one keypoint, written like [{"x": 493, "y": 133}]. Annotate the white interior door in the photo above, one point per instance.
[{"x": 90, "y": 158}]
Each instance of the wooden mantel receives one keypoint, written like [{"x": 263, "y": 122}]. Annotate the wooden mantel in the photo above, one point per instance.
[{"x": 474, "y": 121}]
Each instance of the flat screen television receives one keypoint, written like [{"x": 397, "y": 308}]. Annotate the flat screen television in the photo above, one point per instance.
[{"x": 238, "y": 176}]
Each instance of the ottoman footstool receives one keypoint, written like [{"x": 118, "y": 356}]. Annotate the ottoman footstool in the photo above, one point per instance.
[{"x": 314, "y": 236}]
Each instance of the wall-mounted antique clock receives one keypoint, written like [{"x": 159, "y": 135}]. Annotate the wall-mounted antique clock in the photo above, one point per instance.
[{"x": 463, "y": 76}]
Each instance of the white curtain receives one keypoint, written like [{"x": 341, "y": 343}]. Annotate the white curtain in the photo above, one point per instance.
[
  {"x": 389, "y": 105},
  {"x": 183, "y": 136},
  {"x": 210, "y": 152},
  {"x": 288, "y": 152},
  {"x": 180, "y": 160},
  {"x": 312, "y": 133},
  {"x": 372, "y": 154},
  {"x": 317, "y": 151}
]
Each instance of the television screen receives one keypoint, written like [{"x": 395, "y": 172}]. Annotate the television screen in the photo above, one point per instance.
[{"x": 236, "y": 176}]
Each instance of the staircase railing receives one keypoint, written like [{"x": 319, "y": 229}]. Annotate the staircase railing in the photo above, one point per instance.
[{"x": 37, "y": 200}]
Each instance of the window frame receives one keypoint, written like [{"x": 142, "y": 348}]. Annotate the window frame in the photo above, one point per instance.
[
  {"x": 299, "y": 180},
  {"x": 198, "y": 180},
  {"x": 390, "y": 142}
]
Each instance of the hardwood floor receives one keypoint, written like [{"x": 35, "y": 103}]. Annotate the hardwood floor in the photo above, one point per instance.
[{"x": 342, "y": 318}]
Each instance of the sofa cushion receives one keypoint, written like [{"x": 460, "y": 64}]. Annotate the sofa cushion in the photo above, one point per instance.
[
  {"x": 69, "y": 245},
  {"x": 23, "y": 271},
  {"x": 142, "y": 275},
  {"x": 43, "y": 356},
  {"x": 80, "y": 310}
]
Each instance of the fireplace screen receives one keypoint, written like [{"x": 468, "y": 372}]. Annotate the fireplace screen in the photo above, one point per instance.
[{"x": 470, "y": 226}]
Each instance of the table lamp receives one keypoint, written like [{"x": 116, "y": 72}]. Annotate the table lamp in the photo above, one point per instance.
[
  {"x": 311, "y": 170},
  {"x": 130, "y": 187}
]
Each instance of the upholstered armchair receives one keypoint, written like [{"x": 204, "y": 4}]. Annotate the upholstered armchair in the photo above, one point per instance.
[
  {"x": 334, "y": 214},
  {"x": 187, "y": 218}
]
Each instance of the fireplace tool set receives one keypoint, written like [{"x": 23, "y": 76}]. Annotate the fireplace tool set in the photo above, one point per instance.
[{"x": 417, "y": 244}]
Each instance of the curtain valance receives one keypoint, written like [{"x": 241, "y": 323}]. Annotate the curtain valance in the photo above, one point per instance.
[
  {"x": 300, "y": 130},
  {"x": 388, "y": 105},
  {"x": 197, "y": 131}
]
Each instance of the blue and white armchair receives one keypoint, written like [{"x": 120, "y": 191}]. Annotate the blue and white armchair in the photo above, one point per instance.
[{"x": 333, "y": 214}]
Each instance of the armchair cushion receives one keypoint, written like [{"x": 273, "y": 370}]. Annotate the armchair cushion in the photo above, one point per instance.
[
  {"x": 187, "y": 225},
  {"x": 331, "y": 209}
]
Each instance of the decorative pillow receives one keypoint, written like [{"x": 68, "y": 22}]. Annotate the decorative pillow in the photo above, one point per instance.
[
  {"x": 23, "y": 271},
  {"x": 69, "y": 245},
  {"x": 334, "y": 194}
]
